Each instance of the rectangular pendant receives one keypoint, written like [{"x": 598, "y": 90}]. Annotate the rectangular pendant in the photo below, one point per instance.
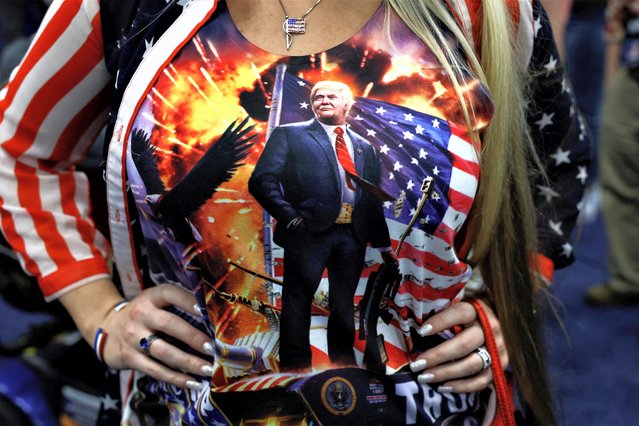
[{"x": 295, "y": 25}]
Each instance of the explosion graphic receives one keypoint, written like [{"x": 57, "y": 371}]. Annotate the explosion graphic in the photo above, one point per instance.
[{"x": 219, "y": 78}]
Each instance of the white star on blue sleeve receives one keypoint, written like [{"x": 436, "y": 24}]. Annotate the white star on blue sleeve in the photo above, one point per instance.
[
  {"x": 547, "y": 192},
  {"x": 537, "y": 26},
  {"x": 560, "y": 156},
  {"x": 546, "y": 120},
  {"x": 551, "y": 65},
  {"x": 583, "y": 174},
  {"x": 556, "y": 227}
]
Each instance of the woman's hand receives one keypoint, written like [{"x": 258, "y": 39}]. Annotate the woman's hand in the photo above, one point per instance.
[
  {"x": 142, "y": 317},
  {"x": 455, "y": 363}
]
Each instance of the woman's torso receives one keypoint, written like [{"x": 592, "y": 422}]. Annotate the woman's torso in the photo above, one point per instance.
[{"x": 203, "y": 229}]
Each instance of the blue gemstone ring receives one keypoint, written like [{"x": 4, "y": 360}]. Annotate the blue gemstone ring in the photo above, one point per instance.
[{"x": 146, "y": 342}]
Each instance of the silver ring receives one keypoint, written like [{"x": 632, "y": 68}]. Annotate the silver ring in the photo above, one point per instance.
[
  {"x": 146, "y": 342},
  {"x": 486, "y": 359}
]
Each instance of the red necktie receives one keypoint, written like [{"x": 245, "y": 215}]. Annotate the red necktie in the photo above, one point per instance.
[{"x": 344, "y": 157}]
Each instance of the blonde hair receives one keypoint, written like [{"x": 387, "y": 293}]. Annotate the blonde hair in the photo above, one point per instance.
[
  {"x": 336, "y": 86},
  {"x": 502, "y": 221}
]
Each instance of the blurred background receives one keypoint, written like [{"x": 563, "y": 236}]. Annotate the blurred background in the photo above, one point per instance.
[{"x": 592, "y": 349}]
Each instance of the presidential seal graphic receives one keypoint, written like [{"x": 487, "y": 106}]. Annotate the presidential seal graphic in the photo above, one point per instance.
[{"x": 338, "y": 396}]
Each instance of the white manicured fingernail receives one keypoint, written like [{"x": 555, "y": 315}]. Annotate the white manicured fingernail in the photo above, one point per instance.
[
  {"x": 194, "y": 385},
  {"x": 208, "y": 370},
  {"x": 208, "y": 348},
  {"x": 425, "y": 378},
  {"x": 197, "y": 309},
  {"x": 418, "y": 365},
  {"x": 445, "y": 389},
  {"x": 425, "y": 330}
]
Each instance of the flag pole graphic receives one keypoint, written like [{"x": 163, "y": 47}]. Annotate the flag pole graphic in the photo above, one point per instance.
[{"x": 273, "y": 121}]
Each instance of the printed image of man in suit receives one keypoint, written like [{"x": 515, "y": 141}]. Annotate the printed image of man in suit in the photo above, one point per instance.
[{"x": 319, "y": 180}]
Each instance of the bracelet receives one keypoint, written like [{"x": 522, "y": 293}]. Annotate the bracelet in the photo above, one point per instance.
[
  {"x": 120, "y": 305},
  {"x": 98, "y": 343},
  {"x": 101, "y": 336}
]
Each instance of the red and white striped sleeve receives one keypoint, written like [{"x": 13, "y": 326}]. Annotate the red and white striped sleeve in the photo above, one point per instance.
[
  {"x": 51, "y": 110},
  {"x": 468, "y": 15}
]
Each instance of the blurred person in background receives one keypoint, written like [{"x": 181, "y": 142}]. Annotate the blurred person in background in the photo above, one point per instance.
[
  {"x": 619, "y": 156},
  {"x": 19, "y": 21}
]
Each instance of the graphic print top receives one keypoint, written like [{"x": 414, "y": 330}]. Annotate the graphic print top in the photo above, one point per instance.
[{"x": 244, "y": 198}]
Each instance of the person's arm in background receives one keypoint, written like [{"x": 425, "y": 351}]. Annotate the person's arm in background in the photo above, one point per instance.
[
  {"x": 50, "y": 113},
  {"x": 613, "y": 51},
  {"x": 614, "y": 35},
  {"x": 559, "y": 13}
]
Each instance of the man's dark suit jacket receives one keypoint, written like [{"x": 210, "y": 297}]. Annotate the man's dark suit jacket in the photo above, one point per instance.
[{"x": 297, "y": 175}]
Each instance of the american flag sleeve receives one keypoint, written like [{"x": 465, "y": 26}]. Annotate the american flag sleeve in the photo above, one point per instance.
[
  {"x": 562, "y": 141},
  {"x": 51, "y": 110}
]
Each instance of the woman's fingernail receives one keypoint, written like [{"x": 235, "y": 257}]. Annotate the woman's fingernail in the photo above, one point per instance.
[
  {"x": 208, "y": 348},
  {"x": 193, "y": 385},
  {"x": 208, "y": 370},
  {"x": 445, "y": 389},
  {"x": 425, "y": 378},
  {"x": 425, "y": 330},
  {"x": 197, "y": 309},
  {"x": 418, "y": 365}
]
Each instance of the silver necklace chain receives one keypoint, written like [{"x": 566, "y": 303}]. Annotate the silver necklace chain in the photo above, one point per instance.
[
  {"x": 304, "y": 15},
  {"x": 294, "y": 25}
]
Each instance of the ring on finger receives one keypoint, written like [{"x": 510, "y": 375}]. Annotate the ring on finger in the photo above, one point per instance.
[
  {"x": 146, "y": 342},
  {"x": 486, "y": 359}
]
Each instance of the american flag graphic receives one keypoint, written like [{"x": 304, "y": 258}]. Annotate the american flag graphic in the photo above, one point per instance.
[
  {"x": 411, "y": 146},
  {"x": 295, "y": 25},
  {"x": 267, "y": 381}
]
